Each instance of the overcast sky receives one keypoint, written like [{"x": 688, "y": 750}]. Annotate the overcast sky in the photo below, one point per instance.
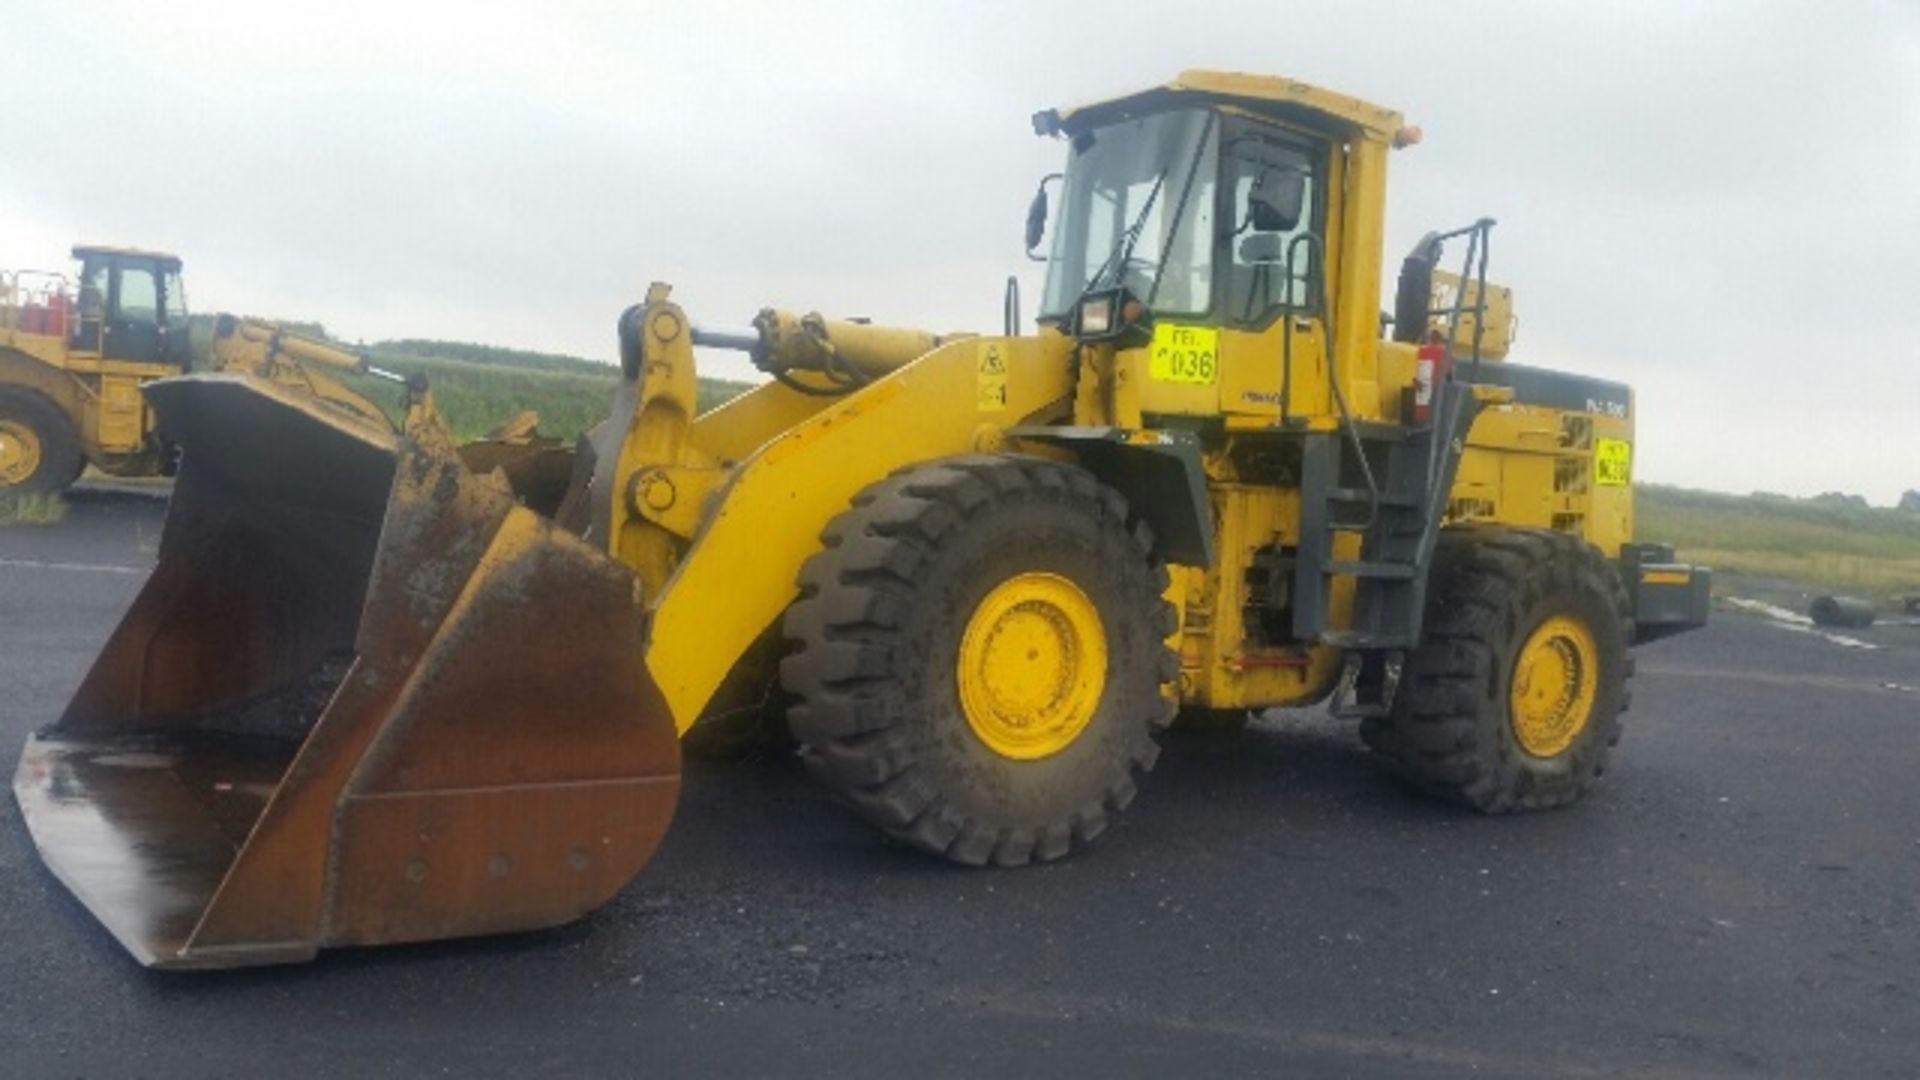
[{"x": 1717, "y": 202}]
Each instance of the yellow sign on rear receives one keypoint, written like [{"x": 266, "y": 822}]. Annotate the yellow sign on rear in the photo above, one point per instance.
[
  {"x": 1612, "y": 462},
  {"x": 1184, "y": 354}
]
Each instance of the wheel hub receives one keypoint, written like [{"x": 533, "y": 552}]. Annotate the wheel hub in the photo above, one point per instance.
[
  {"x": 19, "y": 453},
  {"x": 1555, "y": 679},
  {"x": 1032, "y": 665}
]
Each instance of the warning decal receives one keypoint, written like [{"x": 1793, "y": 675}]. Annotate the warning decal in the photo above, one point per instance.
[
  {"x": 1612, "y": 462},
  {"x": 991, "y": 385}
]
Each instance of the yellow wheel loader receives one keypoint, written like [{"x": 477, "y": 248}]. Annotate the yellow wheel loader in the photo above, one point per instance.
[
  {"x": 74, "y": 354},
  {"x": 370, "y": 695}
]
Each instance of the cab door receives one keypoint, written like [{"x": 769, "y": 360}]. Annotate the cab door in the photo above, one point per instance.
[{"x": 133, "y": 327}]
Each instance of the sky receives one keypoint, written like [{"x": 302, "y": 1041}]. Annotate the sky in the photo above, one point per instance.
[{"x": 1718, "y": 203}]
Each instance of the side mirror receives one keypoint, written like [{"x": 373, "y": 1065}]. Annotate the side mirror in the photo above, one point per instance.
[
  {"x": 1037, "y": 217},
  {"x": 1277, "y": 202}
]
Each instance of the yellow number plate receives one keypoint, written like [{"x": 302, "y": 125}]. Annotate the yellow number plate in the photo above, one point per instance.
[
  {"x": 1612, "y": 462},
  {"x": 1184, "y": 354}
]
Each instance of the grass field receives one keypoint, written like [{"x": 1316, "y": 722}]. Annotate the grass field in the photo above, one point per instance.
[
  {"x": 474, "y": 397},
  {"x": 1866, "y": 550}
]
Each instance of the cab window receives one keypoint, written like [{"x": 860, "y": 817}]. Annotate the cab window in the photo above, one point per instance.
[
  {"x": 1137, "y": 210},
  {"x": 1273, "y": 189},
  {"x": 139, "y": 297}
]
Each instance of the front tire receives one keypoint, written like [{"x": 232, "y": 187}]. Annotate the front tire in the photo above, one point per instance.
[
  {"x": 980, "y": 658},
  {"x": 1512, "y": 700},
  {"x": 39, "y": 450}
]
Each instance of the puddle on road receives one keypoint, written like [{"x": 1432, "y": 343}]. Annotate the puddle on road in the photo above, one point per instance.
[{"x": 1793, "y": 620}]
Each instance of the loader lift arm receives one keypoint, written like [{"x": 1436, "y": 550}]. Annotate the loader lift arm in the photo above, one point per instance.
[
  {"x": 729, "y": 577},
  {"x": 244, "y": 346}
]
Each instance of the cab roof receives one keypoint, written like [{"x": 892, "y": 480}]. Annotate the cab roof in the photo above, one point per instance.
[
  {"x": 1261, "y": 93},
  {"x": 165, "y": 260}
]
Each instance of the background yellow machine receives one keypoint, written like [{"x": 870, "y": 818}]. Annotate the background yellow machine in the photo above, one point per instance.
[
  {"x": 985, "y": 572},
  {"x": 74, "y": 355}
]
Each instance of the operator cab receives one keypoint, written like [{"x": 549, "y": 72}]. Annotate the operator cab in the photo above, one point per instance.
[
  {"x": 1197, "y": 213},
  {"x": 1209, "y": 200},
  {"x": 131, "y": 305}
]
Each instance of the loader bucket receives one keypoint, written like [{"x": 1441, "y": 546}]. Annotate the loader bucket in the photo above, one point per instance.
[{"x": 364, "y": 698}]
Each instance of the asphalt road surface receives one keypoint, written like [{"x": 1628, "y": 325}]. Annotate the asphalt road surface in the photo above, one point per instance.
[{"x": 1737, "y": 898}]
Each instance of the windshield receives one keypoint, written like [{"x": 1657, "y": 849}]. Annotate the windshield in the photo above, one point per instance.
[{"x": 1137, "y": 210}]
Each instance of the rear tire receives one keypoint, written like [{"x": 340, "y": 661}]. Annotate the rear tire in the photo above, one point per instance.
[
  {"x": 1031, "y": 753},
  {"x": 39, "y": 449},
  {"x": 1538, "y": 608}
]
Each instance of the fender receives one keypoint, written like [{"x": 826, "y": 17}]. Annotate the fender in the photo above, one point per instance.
[
  {"x": 55, "y": 384},
  {"x": 1158, "y": 471}
]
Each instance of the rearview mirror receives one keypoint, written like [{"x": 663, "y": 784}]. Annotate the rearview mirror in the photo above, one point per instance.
[
  {"x": 1037, "y": 217},
  {"x": 1277, "y": 202}
]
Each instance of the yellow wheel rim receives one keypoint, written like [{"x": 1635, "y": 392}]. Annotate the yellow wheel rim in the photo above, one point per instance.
[
  {"x": 1554, "y": 683},
  {"x": 19, "y": 453},
  {"x": 1033, "y": 664}
]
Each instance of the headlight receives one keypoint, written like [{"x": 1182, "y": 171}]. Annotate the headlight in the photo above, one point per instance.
[{"x": 1096, "y": 316}]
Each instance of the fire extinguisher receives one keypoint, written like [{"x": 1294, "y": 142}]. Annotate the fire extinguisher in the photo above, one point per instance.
[{"x": 1430, "y": 368}]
